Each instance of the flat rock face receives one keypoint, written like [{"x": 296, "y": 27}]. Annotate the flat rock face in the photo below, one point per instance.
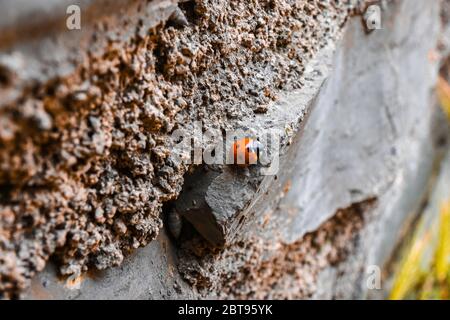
[
  {"x": 87, "y": 161},
  {"x": 388, "y": 147},
  {"x": 369, "y": 132}
]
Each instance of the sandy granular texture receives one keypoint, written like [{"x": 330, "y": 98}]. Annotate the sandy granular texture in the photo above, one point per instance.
[
  {"x": 254, "y": 269},
  {"x": 85, "y": 160}
]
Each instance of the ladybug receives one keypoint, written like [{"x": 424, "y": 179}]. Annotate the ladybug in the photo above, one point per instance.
[{"x": 245, "y": 151}]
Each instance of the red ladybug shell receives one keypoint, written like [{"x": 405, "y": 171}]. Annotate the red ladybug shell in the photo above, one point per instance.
[{"x": 245, "y": 152}]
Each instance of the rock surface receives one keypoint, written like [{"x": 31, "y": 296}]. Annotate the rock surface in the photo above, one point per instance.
[{"x": 87, "y": 162}]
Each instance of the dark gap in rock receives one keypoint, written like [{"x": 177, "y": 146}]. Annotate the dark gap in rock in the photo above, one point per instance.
[
  {"x": 188, "y": 8},
  {"x": 6, "y": 77}
]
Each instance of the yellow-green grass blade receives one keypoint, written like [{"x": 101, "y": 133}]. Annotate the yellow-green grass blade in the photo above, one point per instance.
[
  {"x": 442, "y": 257},
  {"x": 409, "y": 273},
  {"x": 443, "y": 91}
]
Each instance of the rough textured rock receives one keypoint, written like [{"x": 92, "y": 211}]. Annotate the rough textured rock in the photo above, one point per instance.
[{"x": 86, "y": 163}]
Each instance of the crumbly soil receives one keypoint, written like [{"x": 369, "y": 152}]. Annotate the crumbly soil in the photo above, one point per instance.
[{"x": 85, "y": 160}]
